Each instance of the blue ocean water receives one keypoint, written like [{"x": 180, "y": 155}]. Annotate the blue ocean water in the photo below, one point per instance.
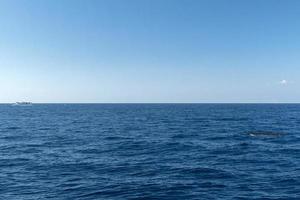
[{"x": 150, "y": 151}]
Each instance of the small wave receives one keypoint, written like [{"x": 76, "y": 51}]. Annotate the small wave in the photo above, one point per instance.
[
  {"x": 13, "y": 128},
  {"x": 265, "y": 134},
  {"x": 232, "y": 119},
  {"x": 45, "y": 129},
  {"x": 114, "y": 138}
]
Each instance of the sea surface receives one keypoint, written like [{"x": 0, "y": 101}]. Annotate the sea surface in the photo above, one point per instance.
[{"x": 150, "y": 151}]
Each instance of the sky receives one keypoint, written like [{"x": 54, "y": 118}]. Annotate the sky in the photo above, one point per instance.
[{"x": 150, "y": 51}]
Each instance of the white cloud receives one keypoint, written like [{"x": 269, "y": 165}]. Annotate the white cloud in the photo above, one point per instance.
[{"x": 283, "y": 82}]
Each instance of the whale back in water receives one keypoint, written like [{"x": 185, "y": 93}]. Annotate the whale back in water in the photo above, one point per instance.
[{"x": 264, "y": 134}]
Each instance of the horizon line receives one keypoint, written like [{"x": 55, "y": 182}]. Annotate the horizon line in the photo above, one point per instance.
[{"x": 157, "y": 102}]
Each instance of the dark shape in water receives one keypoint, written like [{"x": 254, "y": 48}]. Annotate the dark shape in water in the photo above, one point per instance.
[{"x": 265, "y": 134}]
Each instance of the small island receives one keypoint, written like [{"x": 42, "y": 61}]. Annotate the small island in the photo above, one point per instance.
[{"x": 23, "y": 103}]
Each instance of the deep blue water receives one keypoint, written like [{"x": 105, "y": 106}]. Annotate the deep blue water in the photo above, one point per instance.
[{"x": 150, "y": 151}]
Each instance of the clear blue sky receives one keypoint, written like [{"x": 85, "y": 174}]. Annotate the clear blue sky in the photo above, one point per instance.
[{"x": 150, "y": 50}]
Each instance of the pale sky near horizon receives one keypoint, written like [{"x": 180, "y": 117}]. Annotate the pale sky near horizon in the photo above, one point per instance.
[{"x": 149, "y": 51}]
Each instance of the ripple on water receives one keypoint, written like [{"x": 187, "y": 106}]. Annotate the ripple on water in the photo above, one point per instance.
[{"x": 169, "y": 151}]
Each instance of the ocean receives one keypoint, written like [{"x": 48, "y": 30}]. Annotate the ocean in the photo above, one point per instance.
[{"x": 150, "y": 151}]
